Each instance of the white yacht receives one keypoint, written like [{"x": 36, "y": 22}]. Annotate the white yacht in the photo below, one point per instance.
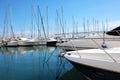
[
  {"x": 110, "y": 39},
  {"x": 9, "y": 43},
  {"x": 99, "y": 64},
  {"x": 26, "y": 42}
]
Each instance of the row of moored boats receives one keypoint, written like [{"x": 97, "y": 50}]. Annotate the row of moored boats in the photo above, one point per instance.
[{"x": 27, "y": 42}]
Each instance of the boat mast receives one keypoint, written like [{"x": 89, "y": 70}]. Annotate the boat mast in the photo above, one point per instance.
[
  {"x": 60, "y": 23},
  {"x": 93, "y": 24},
  {"x": 5, "y": 30},
  {"x": 42, "y": 23},
  {"x": 39, "y": 33},
  {"x": 98, "y": 26},
  {"x": 57, "y": 25},
  {"x": 88, "y": 27},
  {"x": 32, "y": 21},
  {"x": 63, "y": 23},
  {"x": 73, "y": 21},
  {"x": 12, "y": 33},
  {"x": 47, "y": 22},
  {"x": 84, "y": 25},
  {"x": 106, "y": 25},
  {"x": 76, "y": 28}
]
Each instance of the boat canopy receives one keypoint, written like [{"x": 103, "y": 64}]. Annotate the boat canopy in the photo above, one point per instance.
[{"x": 114, "y": 32}]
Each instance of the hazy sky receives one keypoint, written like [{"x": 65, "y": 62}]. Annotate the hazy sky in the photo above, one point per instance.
[{"x": 21, "y": 11}]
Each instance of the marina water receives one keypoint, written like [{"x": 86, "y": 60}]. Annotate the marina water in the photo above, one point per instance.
[{"x": 35, "y": 63}]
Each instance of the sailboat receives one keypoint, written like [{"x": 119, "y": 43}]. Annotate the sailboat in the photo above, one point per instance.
[
  {"x": 26, "y": 42},
  {"x": 42, "y": 40},
  {"x": 6, "y": 40},
  {"x": 33, "y": 41},
  {"x": 49, "y": 41}
]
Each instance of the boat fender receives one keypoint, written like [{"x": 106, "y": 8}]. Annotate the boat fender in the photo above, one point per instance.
[
  {"x": 103, "y": 46},
  {"x": 61, "y": 54}
]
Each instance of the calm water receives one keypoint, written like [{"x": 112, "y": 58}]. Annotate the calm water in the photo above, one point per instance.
[{"x": 36, "y": 63}]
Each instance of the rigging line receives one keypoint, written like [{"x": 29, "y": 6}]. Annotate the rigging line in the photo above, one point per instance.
[
  {"x": 104, "y": 50},
  {"x": 60, "y": 23},
  {"x": 62, "y": 47},
  {"x": 74, "y": 48},
  {"x": 118, "y": 33},
  {"x": 51, "y": 53}
]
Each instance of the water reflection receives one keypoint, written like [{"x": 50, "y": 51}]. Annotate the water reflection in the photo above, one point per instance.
[
  {"x": 32, "y": 63},
  {"x": 22, "y": 50}
]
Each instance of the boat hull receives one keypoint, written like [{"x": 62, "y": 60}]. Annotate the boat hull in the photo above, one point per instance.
[
  {"x": 10, "y": 44},
  {"x": 98, "y": 64},
  {"x": 51, "y": 43},
  {"x": 96, "y": 73},
  {"x": 41, "y": 42},
  {"x": 25, "y": 43}
]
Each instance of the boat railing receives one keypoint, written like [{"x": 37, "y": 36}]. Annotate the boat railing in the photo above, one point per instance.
[
  {"x": 102, "y": 48},
  {"x": 78, "y": 34}
]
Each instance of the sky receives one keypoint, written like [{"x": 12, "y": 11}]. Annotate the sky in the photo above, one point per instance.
[{"x": 73, "y": 13}]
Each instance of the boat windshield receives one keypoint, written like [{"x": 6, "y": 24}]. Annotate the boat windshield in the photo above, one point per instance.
[{"x": 114, "y": 32}]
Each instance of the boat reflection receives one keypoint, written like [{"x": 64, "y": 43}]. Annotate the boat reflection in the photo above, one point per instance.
[
  {"x": 84, "y": 74},
  {"x": 23, "y": 50},
  {"x": 32, "y": 63}
]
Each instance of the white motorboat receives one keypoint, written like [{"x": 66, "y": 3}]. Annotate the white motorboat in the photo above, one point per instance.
[
  {"x": 104, "y": 64},
  {"x": 110, "y": 38}
]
